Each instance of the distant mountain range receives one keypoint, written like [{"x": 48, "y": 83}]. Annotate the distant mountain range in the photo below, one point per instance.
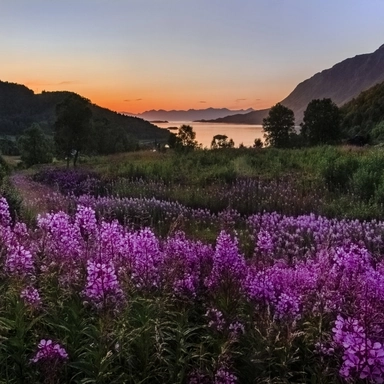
[
  {"x": 341, "y": 83},
  {"x": 189, "y": 115},
  {"x": 20, "y": 107}
]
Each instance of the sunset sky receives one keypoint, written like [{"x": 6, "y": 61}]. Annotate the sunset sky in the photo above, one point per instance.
[{"x": 135, "y": 55}]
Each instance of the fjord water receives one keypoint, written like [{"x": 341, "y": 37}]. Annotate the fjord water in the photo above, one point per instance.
[{"x": 239, "y": 133}]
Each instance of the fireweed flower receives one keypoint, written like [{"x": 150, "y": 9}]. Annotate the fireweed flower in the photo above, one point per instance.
[
  {"x": 31, "y": 297},
  {"x": 102, "y": 286},
  {"x": 288, "y": 307},
  {"x": 48, "y": 351},
  {"x": 216, "y": 319},
  {"x": 19, "y": 261},
  {"x": 147, "y": 259},
  {"x": 224, "y": 376},
  {"x": 5, "y": 217},
  {"x": 265, "y": 242},
  {"x": 228, "y": 265},
  {"x": 362, "y": 357},
  {"x": 62, "y": 238},
  {"x": 85, "y": 219}
]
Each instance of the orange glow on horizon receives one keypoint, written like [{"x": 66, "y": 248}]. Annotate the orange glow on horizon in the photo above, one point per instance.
[{"x": 147, "y": 99}]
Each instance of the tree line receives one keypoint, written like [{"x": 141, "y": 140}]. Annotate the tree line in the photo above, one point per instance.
[
  {"x": 76, "y": 130},
  {"x": 321, "y": 125}
]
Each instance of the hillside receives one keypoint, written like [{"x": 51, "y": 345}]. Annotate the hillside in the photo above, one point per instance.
[
  {"x": 362, "y": 113},
  {"x": 341, "y": 83},
  {"x": 20, "y": 107}
]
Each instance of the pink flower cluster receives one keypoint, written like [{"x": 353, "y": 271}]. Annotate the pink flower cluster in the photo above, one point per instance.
[
  {"x": 102, "y": 286},
  {"x": 363, "y": 358},
  {"x": 48, "y": 351}
]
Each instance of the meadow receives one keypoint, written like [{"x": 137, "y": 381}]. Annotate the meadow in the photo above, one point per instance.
[{"x": 224, "y": 266}]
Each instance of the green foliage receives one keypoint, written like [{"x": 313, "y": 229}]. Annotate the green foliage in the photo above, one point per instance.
[
  {"x": 73, "y": 126},
  {"x": 108, "y": 138},
  {"x": 221, "y": 141},
  {"x": 321, "y": 123},
  {"x": 8, "y": 147},
  {"x": 377, "y": 133},
  {"x": 35, "y": 147},
  {"x": 278, "y": 126},
  {"x": 364, "y": 112},
  {"x": 258, "y": 143},
  {"x": 185, "y": 140},
  {"x": 337, "y": 171}
]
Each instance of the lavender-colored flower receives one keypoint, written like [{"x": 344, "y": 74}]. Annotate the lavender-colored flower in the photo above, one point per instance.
[
  {"x": 265, "y": 242},
  {"x": 224, "y": 376},
  {"x": 236, "y": 329},
  {"x": 228, "y": 264},
  {"x": 288, "y": 307},
  {"x": 48, "y": 351},
  {"x": 31, "y": 296},
  {"x": 185, "y": 287},
  {"x": 102, "y": 286},
  {"x": 19, "y": 261},
  {"x": 216, "y": 319},
  {"x": 362, "y": 357},
  {"x": 85, "y": 219},
  {"x": 5, "y": 217},
  {"x": 147, "y": 259}
]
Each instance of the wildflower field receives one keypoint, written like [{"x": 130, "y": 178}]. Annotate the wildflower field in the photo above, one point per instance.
[{"x": 232, "y": 277}]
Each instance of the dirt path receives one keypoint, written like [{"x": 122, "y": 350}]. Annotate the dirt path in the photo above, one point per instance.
[{"x": 34, "y": 195}]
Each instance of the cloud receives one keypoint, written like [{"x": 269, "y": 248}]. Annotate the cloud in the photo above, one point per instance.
[
  {"x": 68, "y": 82},
  {"x": 202, "y": 101},
  {"x": 129, "y": 100},
  {"x": 237, "y": 100}
]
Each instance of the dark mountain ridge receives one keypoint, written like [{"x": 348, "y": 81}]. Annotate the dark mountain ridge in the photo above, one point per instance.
[
  {"x": 341, "y": 83},
  {"x": 190, "y": 114},
  {"x": 20, "y": 107}
]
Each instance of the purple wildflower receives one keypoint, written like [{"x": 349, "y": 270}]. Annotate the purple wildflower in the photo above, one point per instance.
[
  {"x": 102, "y": 285},
  {"x": 48, "y": 351},
  {"x": 228, "y": 265},
  {"x": 31, "y": 296},
  {"x": 224, "y": 376},
  {"x": 265, "y": 242},
  {"x": 19, "y": 261},
  {"x": 216, "y": 319},
  {"x": 5, "y": 217},
  {"x": 288, "y": 307}
]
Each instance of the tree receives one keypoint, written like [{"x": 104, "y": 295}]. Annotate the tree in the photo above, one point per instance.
[
  {"x": 278, "y": 126},
  {"x": 35, "y": 147},
  {"x": 221, "y": 141},
  {"x": 73, "y": 127},
  {"x": 378, "y": 133},
  {"x": 186, "y": 138},
  {"x": 258, "y": 143},
  {"x": 321, "y": 123}
]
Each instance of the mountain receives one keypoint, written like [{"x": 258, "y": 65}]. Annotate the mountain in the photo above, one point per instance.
[
  {"x": 20, "y": 107},
  {"x": 190, "y": 114},
  {"x": 341, "y": 83}
]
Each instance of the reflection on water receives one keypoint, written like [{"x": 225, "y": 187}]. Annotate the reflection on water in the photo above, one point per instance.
[{"x": 239, "y": 133}]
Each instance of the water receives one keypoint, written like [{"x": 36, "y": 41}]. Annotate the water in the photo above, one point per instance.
[{"x": 239, "y": 133}]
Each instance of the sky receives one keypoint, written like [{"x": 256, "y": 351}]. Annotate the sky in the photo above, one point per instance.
[{"x": 137, "y": 55}]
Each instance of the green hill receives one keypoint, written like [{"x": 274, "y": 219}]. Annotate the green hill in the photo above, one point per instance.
[
  {"x": 364, "y": 112},
  {"x": 20, "y": 107}
]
